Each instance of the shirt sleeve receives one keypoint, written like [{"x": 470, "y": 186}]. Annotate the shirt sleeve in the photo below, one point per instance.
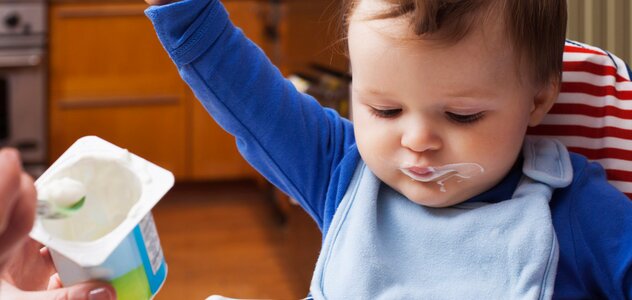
[
  {"x": 286, "y": 135},
  {"x": 598, "y": 223}
]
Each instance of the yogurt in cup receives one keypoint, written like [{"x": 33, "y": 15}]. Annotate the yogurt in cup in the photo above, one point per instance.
[{"x": 113, "y": 236}]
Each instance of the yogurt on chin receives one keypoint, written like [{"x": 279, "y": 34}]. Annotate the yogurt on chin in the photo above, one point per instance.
[{"x": 443, "y": 173}]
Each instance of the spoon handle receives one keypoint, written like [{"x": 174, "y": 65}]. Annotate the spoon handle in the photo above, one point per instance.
[{"x": 48, "y": 210}]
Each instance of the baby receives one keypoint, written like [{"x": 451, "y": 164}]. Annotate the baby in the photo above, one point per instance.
[{"x": 434, "y": 191}]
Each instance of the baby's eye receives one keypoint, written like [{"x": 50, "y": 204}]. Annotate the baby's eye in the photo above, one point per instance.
[
  {"x": 465, "y": 119},
  {"x": 385, "y": 113}
]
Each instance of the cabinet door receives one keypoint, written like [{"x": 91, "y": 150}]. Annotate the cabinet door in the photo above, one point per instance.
[
  {"x": 214, "y": 153},
  {"x": 110, "y": 77},
  {"x": 309, "y": 34}
]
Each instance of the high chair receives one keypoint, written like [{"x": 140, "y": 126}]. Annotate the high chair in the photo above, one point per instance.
[{"x": 593, "y": 114}]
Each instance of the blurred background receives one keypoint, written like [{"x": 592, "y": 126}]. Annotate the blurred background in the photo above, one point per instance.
[{"x": 70, "y": 68}]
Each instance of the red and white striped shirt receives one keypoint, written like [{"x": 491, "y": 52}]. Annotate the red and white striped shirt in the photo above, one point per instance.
[{"x": 593, "y": 114}]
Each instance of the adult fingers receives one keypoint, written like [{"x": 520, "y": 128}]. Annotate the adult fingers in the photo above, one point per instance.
[
  {"x": 45, "y": 254},
  {"x": 14, "y": 222},
  {"x": 21, "y": 217},
  {"x": 10, "y": 170},
  {"x": 54, "y": 282},
  {"x": 81, "y": 291},
  {"x": 26, "y": 205},
  {"x": 29, "y": 269},
  {"x": 24, "y": 211}
]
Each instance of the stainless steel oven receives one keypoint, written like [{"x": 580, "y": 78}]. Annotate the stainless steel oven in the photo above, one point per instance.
[{"x": 23, "y": 88}]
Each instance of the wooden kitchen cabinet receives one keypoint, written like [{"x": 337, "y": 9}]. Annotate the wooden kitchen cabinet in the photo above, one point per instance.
[
  {"x": 110, "y": 77},
  {"x": 309, "y": 34}
]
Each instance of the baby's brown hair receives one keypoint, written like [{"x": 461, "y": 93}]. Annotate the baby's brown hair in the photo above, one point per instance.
[{"x": 536, "y": 28}]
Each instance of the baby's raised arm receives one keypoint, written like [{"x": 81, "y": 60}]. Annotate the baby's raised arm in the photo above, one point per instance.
[{"x": 285, "y": 135}]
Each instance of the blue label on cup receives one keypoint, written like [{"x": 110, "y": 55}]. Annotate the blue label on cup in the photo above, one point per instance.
[{"x": 137, "y": 265}]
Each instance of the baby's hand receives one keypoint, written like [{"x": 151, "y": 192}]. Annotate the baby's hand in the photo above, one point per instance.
[{"x": 159, "y": 2}]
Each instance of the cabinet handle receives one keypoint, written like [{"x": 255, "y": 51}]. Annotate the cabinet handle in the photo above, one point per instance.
[
  {"x": 101, "y": 102},
  {"x": 102, "y": 11}
]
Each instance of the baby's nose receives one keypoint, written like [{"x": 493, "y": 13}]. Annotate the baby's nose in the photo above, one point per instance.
[{"x": 420, "y": 138}]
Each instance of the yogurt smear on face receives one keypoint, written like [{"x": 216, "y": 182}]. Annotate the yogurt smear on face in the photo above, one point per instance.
[{"x": 443, "y": 173}]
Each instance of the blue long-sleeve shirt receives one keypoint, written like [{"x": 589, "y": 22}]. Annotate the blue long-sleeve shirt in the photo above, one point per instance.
[{"x": 309, "y": 151}]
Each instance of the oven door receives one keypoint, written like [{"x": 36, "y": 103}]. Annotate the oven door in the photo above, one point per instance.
[{"x": 23, "y": 103}]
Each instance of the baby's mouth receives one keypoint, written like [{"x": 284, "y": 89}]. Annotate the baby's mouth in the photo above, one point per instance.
[
  {"x": 443, "y": 173},
  {"x": 427, "y": 174}
]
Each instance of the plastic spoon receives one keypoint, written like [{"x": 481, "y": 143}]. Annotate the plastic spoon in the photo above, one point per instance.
[
  {"x": 61, "y": 198},
  {"x": 49, "y": 210}
]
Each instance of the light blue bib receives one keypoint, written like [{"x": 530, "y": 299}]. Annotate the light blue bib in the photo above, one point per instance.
[{"x": 383, "y": 246}]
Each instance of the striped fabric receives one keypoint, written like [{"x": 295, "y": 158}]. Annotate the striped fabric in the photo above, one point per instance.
[{"x": 593, "y": 115}]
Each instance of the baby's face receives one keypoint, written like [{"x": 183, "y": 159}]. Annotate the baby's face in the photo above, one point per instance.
[{"x": 420, "y": 104}]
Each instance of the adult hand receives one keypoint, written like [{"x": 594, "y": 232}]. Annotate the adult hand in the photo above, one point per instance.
[
  {"x": 30, "y": 275},
  {"x": 17, "y": 205},
  {"x": 26, "y": 269}
]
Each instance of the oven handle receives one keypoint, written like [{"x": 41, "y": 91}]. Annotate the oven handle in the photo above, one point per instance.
[{"x": 13, "y": 61}]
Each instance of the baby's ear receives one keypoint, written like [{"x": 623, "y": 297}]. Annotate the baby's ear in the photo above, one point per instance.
[{"x": 543, "y": 101}]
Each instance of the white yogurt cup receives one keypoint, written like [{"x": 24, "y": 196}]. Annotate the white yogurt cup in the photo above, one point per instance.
[{"x": 113, "y": 236}]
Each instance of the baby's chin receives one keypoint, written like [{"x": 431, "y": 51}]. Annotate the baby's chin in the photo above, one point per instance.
[
  {"x": 431, "y": 194},
  {"x": 441, "y": 201}
]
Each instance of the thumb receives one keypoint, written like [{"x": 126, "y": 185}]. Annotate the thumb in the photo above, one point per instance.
[{"x": 83, "y": 291}]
